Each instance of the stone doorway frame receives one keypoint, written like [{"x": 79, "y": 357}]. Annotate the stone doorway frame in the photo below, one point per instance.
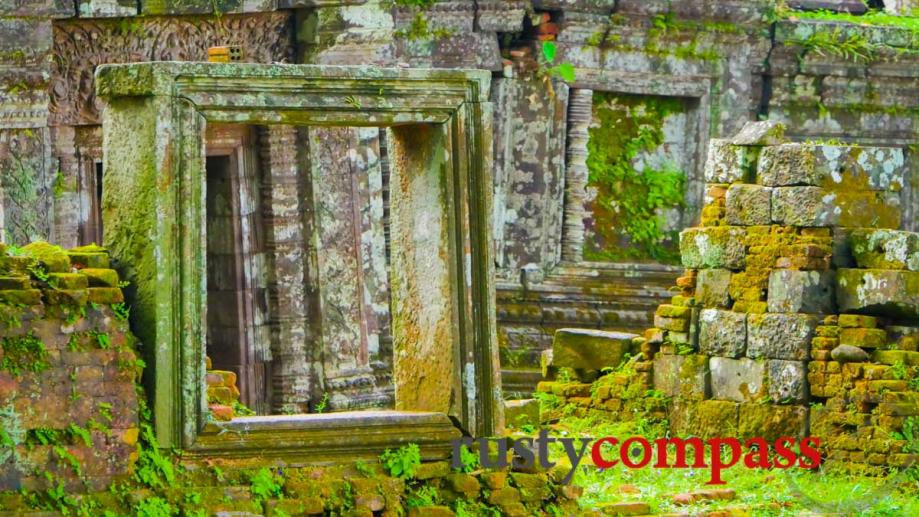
[{"x": 446, "y": 372}]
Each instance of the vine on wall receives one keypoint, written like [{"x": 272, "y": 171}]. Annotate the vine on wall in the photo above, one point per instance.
[{"x": 628, "y": 218}]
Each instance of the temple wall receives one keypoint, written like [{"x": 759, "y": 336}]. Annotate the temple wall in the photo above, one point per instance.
[{"x": 709, "y": 65}]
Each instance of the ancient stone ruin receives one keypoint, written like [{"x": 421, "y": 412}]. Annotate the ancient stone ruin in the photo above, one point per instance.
[
  {"x": 275, "y": 257},
  {"x": 796, "y": 314}
]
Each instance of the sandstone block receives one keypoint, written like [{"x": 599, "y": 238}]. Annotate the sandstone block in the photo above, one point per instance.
[
  {"x": 101, "y": 277},
  {"x": 857, "y": 321},
  {"x": 878, "y": 291},
  {"x": 772, "y": 421},
  {"x": 801, "y": 291},
  {"x": 780, "y": 335},
  {"x": 748, "y": 205},
  {"x": 849, "y": 354},
  {"x": 739, "y": 380},
  {"x": 106, "y": 8},
  {"x": 713, "y": 247},
  {"x": 728, "y": 163},
  {"x": 686, "y": 376},
  {"x": 588, "y": 349},
  {"x": 787, "y": 381},
  {"x": 834, "y": 167},
  {"x": 705, "y": 419},
  {"x": 722, "y": 333},
  {"x": 763, "y": 132},
  {"x": 862, "y": 337},
  {"x": 816, "y": 206},
  {"x": 885, "y": 249}
]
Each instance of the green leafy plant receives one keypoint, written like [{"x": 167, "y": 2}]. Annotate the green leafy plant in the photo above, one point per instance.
[
  {"x": 153, "y": 507},
  {"x": 240, "y": 409},
  {"x": 899, "y": 371},
  {"x": 266, "y": 484},
  {"x": 402, "y": 462},
  {"x": 153, "y": 469},
  {"x": 849, "y": 46},
  {"x": 323, "y": 404},
  {"x": 628, "y": 221},
  {"x": 23, "y": 353},
  {"x": 565, "y": 71},
  {"x": 470, "y": 460},
  {"x": 78, "y": 433},
  {"x": 122, "y": 311},
  {"x": 424, "y": 496}
]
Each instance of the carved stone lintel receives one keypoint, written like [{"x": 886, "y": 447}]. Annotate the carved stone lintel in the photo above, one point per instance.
[
  {"x": 580, "y": 105},
  {"x": 81, "y": 45}
]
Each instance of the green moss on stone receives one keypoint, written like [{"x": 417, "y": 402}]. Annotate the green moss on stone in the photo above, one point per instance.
[
  {"x": 23, "y": 354},
  {"x": 53, "y": 257},
  {"x": 628, "y": 210}
]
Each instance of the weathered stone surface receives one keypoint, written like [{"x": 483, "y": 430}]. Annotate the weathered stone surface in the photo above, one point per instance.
[
  {"x": 722, "y": 333},
  {"x": 713, "y": 247},
  {"x": 667, "y": 373},
  {"x": 817, "y": 206},
  {"x": 51, "y": 8},
  {"x": 787, "y": 381},
  {"x": 686, "y": 376},
  {"x": 837, "y": 168},
  {"x": 780, "y": 336},
  {"x": 728, "y": 163},
  {"x": 590, "y": 350},
  {"x": 705, "y": 419},
  {"x": 763, "y": 132},
  {"x": 521, "y": 412},
  {"x": 849, "y": 354},
  {"x": 740, "y": 380},
  {"x": 712, "y": 288},
  {"x": 106, "y": 8},
  {"x": 748, "y": 205},
  {"x": 772, "y": 422},
  {"x": 885, "y": 249},
  {"x": 801, "y": 291},
  {"x": 878, "y": 291}
]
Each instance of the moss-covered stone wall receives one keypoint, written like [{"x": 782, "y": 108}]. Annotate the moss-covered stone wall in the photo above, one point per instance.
[
  {"x": 69, "y": 405},
  {"x": 796, "y": 314}
]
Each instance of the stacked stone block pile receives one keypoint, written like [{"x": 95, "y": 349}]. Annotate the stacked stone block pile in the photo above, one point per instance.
[{"x": 798, "y": 312}]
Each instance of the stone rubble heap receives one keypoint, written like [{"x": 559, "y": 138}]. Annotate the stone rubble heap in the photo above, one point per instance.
[{"x": 798, "y": 313}]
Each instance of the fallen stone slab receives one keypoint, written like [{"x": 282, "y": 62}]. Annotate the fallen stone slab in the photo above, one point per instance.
[{"x": 589, "y": 349}]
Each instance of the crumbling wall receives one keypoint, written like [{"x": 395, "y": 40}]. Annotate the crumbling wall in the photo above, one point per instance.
[
  {"x": 68, "y": 369},
  {"x": 797, "y": 314}
]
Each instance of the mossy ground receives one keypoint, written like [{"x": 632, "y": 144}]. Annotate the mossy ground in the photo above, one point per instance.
[{"x": 759, "y": 492}]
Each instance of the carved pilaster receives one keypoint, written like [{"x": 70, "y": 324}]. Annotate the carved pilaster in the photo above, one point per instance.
[
  {"x": 580, "y": 105},
  {"x": 291, "y": 371}
]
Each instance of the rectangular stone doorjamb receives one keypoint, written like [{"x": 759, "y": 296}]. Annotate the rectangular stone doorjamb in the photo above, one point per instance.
[{"x": 445, "y": 367}]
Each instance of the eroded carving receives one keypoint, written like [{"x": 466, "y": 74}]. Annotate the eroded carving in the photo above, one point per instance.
[{"x": 80, "y": 46}]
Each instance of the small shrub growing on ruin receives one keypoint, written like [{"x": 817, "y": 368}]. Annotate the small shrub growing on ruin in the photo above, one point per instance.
[
  {"x": 23, "y": 353},
  {"x": 266, "y": 484},
  {"x": 402, "y": 462}
]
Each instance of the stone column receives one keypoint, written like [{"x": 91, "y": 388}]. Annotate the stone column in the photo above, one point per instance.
[
  {"x": 580, "y": 105},
  {"x": 291, "y": 371}
]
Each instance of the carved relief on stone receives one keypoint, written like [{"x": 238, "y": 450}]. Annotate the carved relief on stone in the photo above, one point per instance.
[
  {"x": 580, "y": 106},
  {"x": 80, "y": 46}
]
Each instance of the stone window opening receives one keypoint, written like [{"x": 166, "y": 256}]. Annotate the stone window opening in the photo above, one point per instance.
[{"x": 445, "y": 379}]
